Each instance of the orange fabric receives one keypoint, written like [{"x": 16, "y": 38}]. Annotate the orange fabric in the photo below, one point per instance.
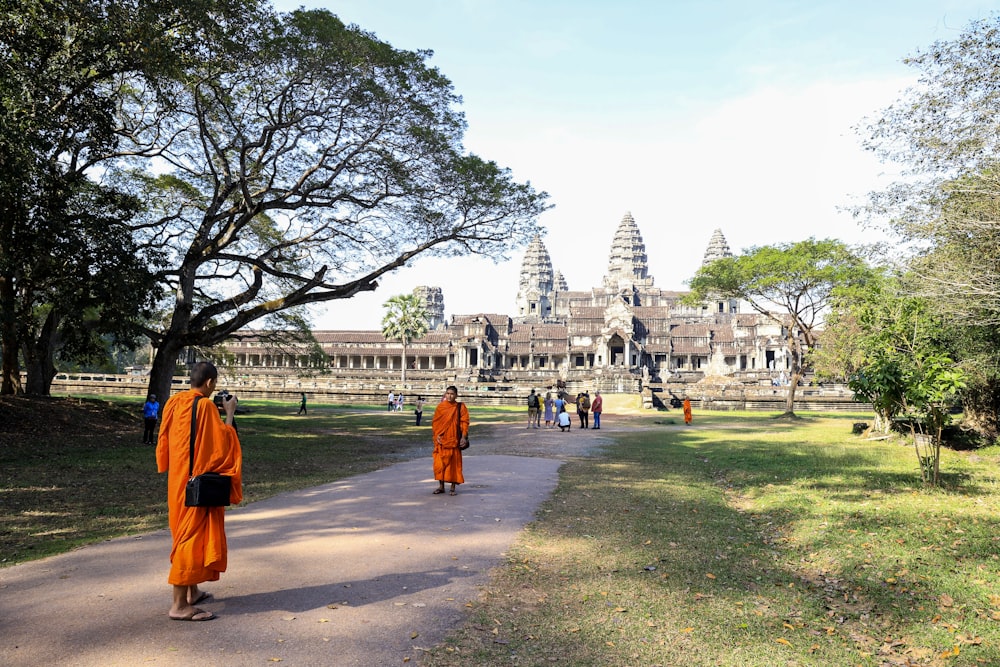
[
  {"x": 687, "y": 411},
  {"x": 199, "y": 550},
  {"x": 447, "y": 455}
]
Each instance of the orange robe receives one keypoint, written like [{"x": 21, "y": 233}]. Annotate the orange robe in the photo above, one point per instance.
[
  {"x": 687, "y": 411},
  {"x": 447, "y": 455},
  {"x": 199, "y": 550}
]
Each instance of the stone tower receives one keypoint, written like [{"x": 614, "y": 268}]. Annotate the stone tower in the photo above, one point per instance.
[
  {"x": 434, "y": 300},
  {"x": 559, "y": 283},
  {"x": 534, "y": 289},
  {"x": 717, "y": 248},
  {"x": 627, "y": 264}
]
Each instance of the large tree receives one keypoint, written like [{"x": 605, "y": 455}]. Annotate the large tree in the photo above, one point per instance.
[
  {"x": 405, "y": 320},
  {"x": 63, "y": 67},
  {"x": 945, "y": 132},
  {"x": 301, "y": 166},
  {"x": 791, "y": 283}
]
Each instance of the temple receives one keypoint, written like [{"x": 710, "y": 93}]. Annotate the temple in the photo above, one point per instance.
[{"x": 617, "y": 336}]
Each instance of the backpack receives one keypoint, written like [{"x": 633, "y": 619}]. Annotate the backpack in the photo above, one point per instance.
[
  {"x": 585, "y": 402},
  {"x": 533, "y": 401}
]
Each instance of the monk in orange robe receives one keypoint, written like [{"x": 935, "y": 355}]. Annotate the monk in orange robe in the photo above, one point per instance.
[
  {"x": 451, "y": 430},
  {"x": 687, "y": 410},
  {"x": 199, "y": 552}
]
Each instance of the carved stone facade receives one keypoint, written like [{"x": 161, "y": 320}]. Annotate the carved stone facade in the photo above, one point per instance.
[{"x": 624, "y": 331}]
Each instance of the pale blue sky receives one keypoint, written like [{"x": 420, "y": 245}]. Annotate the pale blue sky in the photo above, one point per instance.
[{"x": 692, "y": 115}]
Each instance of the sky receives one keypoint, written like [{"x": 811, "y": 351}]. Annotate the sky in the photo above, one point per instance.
[{"x": 692, "y": 115}]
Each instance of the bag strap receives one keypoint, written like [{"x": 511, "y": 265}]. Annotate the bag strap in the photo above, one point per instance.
[
  {"x": 194, "y": 426},
  {"x": 458, "y": 422}
]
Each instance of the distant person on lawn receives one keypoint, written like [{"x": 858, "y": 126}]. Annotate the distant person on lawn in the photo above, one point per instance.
[
  {"x": 198, "y": 553},
  {"x": 150, "y": 413},
  {"x": 687, "y": 410}
]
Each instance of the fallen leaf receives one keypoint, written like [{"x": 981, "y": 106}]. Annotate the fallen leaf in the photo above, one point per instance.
[
  {"x": 323, "y": 620},
  {"x": 414, "y": 635},
  {"x": 688, "y": 630},
  {"x": 710, "y": 575},
  {"x": 952, "y": 653},
  {"x": 946, "y": 600},
  {"x": 782, "y": 640}
]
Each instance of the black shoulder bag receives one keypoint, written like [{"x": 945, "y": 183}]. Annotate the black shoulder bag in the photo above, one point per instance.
[
  {"x": 458, "y": 429},
  {"x": 209, "y": 489}
]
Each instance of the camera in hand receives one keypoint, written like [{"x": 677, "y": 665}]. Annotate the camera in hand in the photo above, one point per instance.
[{"x": 221, "y": 397}]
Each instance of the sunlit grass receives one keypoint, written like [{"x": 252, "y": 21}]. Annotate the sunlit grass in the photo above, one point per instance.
[{"x": 750, "y": 541}]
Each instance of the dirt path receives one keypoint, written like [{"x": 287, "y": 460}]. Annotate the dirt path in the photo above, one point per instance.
[{"x": 365, "y": 571}]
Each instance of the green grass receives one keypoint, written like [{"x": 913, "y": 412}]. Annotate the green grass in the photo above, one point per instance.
[
  {"x": 59, "y": 490},
  {"x": 750, "y": 541},
  {"x": 740, "y": 541}
]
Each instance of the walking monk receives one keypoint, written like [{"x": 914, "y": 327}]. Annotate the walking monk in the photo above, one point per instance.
[
  {"x": 198, "y": 553},
  {"x": 451, "y": 430},
  {"x": 687, "y": 410}
]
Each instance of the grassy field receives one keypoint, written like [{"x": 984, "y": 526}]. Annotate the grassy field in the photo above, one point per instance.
[
  {"x": 740, "y": 541},
  {"x": 75, "y": 472},
  {"x": 745, "y": 541}
]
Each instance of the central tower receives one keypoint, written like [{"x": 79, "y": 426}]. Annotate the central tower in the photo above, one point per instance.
[{"x": 627, "y": 264}]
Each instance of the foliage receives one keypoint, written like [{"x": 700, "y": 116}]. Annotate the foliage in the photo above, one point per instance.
[
  {"x": 943, "y": 131},
  {"x": 63, "y": 67},
  {"x": 302, "y": 165},
  {"x": 898, "y": 358},
  {"x": 405, "y": 320},
  {"x": 793, "y": 284}
]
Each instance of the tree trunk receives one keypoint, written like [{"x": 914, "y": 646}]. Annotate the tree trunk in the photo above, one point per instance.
[
  {"x": 981, "y": 408},
  {"x": 39, "y": 357},
  {"x": 404, "y": 361},
  {"x": 161, "y": 372},
  {"x": 10, "y": 383}
]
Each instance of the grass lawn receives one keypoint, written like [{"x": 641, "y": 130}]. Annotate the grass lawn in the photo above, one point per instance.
[
  {"x": 739, "y": 541},
  {"x": 743, "y": 541},
  {"x": 74, "y": 472}
]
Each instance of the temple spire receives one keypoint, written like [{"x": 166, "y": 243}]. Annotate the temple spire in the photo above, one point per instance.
[
  {"x": 717, "y": 248},
  {"x": 627, "y": 264},
  {"x": 534, "y": 288}
]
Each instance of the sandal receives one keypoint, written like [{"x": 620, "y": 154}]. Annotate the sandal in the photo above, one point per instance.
[
  {"x": 437, "y": 491},
  {"x": 454, "y": 493}
]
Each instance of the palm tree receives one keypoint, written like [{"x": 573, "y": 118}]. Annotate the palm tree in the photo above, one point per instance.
[{"x": 405, "y": 320}]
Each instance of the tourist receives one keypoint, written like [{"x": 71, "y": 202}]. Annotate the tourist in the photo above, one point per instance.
[
  {"x": 687, "y": 410},
  {"x": 418, "y": 409},
  {"x": 450, "y": 426},
  {"x": 532, "y": 410},
  {"x": 548, "y": 409},
  {"x": 564, "y": 420},
  {"x": 392, "y": 401},
  {"x": 302, "y": 405},
  {"x": 150, "y": 412},
  {"x": 399, "y": 402},
  {"x": 198, "y": 553},
  {"x": 583, "y": 408},
  {"x": 596, "y": 407}
]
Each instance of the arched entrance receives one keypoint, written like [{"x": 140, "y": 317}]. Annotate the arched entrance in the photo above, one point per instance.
[{"x": 616, "y": 351}]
